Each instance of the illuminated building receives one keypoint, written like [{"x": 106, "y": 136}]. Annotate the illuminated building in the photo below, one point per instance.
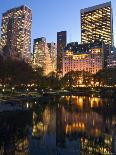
[
  {"x": 83, "y": 57},
  {"x": 61, "y": 43},
  {"x": 39, "y": 51},
  {"x": 97, "y": 23},
  {"x": 41, "y": 55},
  {"x": 53, "y": 50},
  {"x": 16, "y": 33}
]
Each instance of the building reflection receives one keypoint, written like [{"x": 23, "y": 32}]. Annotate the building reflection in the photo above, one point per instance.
[
  {"x": 44, "y": 128},
  {"x": 60, "y": 126},
  {"x": 14, "y": 133},
  {"x": 77, "y": 123},
  {"x": 84, "y": 101},
  {"x": 89, "y": 124},
  {"x": 73, "y": 125}
]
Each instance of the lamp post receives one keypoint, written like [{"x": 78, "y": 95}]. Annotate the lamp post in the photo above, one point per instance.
[
  {"x": 3, "y": 90},
  {"x": 27, "y": 90},
  {"x": 13, "y": 89}
]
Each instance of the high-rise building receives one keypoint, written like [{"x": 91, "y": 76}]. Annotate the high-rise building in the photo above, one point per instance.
[
  {"x": 83, "y": 57},
  {"x": 16, "y": 33},
  {"x": 97, "y": 23},
  {"x": 39, "y": 51},
  {"x": 61, "y": 43},
  {"x": 53, "y": 51},
  {"x": 41, "y": 55}
]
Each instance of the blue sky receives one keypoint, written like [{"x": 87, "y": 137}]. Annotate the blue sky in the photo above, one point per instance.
[{"x": 51, "y": 16}]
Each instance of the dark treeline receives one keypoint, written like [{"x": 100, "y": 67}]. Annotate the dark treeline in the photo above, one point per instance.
[{"x": 18, "y": 73}]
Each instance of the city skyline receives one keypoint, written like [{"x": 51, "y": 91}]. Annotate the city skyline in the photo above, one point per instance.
[{"x": 54, "y": 17}]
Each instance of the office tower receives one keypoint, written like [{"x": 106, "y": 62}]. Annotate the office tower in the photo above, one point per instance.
[
  {"x": 53, "y": 51},
  {"x": 61, "y": 43},
  {"x": 41, "y": 55},
  {"x": 16, "y": 33},
  {"x": 97, "y": 23},
  {"x": 83, "y": 57}
]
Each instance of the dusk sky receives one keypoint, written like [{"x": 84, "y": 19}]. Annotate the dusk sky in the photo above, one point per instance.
[{"x": 51, "y": 16}]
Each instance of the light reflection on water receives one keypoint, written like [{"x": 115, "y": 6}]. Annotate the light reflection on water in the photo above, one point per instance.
[{"x": 68, "y": 125}]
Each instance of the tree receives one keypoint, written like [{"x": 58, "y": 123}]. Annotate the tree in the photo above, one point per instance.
[
  {"x": 76, "y": 78},
  {"x": 53, "y": 82},
  {"x": 106, "y": 76},
  {"x": 15, "y": 72}
]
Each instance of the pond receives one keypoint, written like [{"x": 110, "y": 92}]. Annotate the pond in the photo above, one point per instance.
[{"x": 65, "y": 125}]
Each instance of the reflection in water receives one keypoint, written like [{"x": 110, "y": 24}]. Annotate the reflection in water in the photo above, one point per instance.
[
  {"x": 82, "y": 101},
  {"x": 13, "y": 133},
  {"x": 44, "y": 127},
  {"x": 94, "y": 128},
  {"x": 69, "y": 125}
]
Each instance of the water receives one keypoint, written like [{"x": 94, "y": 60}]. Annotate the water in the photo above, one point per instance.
[{"x": 66, "y": 125}]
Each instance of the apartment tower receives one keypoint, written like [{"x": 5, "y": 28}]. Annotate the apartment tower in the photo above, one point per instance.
[{"x": 16, "y": 33}]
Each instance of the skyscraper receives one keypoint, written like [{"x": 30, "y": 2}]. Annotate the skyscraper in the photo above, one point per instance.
[
  {"x": 39, "y": 51},
  {"x": 61, "y": 43},
  {"x": 41, "y": 55},
  {"x": 97, "y": 23},
  {"x": 53, "y": 51},
  {"x": 16, "y": 32}
]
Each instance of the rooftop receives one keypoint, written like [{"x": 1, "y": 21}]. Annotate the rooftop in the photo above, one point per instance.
[
  {"x": 96, "y": 7},
  {"x": 82, "y": 48},
  {"x": 17, "y": 8}
]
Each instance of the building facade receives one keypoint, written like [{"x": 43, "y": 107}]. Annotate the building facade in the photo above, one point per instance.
[
  {"x": 83, "y": 57},
  {"x": 41, "y": 55},
  {"x": 53, "y": 54},
  {"x": 97, "y": 23},
  {"x": 111, "y": 61},
  {"x": 16, "y": 33},
  {"x": 61, "y": 43}
]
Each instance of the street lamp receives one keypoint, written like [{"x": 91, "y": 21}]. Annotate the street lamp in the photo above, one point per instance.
[
  {"x": 27, "y": 105},
  {"x": 13, "y": 89},
  {"x": 3, "y": 90}
]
